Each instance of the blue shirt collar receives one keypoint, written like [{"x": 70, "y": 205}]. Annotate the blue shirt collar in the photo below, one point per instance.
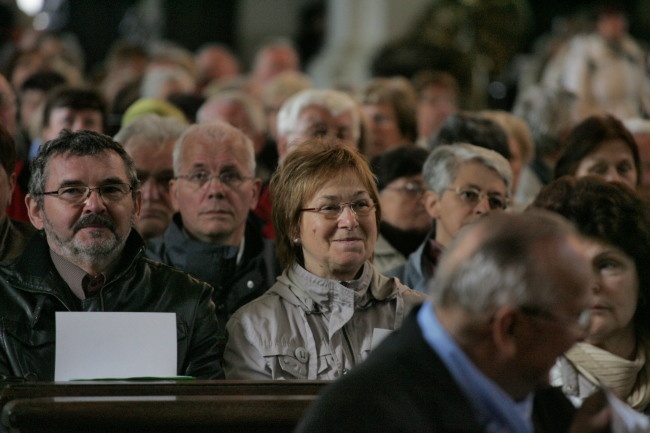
[{"x": 495, "y": 409}]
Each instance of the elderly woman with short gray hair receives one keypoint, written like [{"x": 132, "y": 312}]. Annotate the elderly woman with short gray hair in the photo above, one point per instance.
[{"x": 464, "y": 182}]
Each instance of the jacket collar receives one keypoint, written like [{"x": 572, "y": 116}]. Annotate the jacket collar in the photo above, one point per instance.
[
  {"x": 324, "y": 292},
  {"x": 180, "y": 246}
]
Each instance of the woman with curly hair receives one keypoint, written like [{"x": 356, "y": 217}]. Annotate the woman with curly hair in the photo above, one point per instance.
[{"x": 616, "y": 351}]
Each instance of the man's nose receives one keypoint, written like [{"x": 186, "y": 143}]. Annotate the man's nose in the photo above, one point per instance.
[
  {"x": 150, "y": 190},
  {"x": 77, "y": 124},
  {"x": 94, "y": 202},
  {"x": 216, "y": 187},
  {"x": 483, "y": 205}
]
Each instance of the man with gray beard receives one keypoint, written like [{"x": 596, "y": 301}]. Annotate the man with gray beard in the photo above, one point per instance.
[{"x": 84, "y": 197}]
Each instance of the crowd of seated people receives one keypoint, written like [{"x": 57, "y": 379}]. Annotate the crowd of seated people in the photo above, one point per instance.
[{"x": 291, "y": 228}]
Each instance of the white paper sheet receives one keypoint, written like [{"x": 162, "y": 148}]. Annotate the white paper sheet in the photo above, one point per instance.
[{"x": 92, "y": 345}]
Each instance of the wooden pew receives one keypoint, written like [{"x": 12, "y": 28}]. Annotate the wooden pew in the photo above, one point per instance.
[
  {"x": 130, "y": 388},
  {"x": 160, "y": 414}
]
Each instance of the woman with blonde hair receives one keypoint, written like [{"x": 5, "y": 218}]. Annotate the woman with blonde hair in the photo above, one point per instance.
[{"x": 319, "y": 319}]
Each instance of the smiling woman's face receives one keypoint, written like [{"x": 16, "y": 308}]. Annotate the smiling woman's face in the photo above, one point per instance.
[{"x": 337, "y": 248}]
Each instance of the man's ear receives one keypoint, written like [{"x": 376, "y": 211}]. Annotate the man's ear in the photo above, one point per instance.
[
  {"x": 504, "y": 326},
  {"x": 257, "y": 188},
  {"x": 12, "y": 184},
  {"x": 137, "y": 203},
  {"x": 432, "y": 204},
  {"x": 35, "y": 212},
  {"x": 173, "y": 193}
]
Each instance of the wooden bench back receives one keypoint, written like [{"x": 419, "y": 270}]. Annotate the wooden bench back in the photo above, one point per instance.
[
  {"x": 127, "y": 388},
  {"x": 161, "y": 414}
]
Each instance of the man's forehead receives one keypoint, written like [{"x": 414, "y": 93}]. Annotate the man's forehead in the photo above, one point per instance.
[
  {"x": 208, "y": 151},
  {"x": 69, "y": 165}
]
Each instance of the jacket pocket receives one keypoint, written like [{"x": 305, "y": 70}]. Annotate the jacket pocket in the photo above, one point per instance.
[{"x": 287, "y": 362}]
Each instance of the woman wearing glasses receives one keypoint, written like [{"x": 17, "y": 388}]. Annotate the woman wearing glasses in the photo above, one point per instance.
[
  {"x": 464, "y": 183},
  {"x": 616, "y": 349},
  {"x": 328, "y": 307}
]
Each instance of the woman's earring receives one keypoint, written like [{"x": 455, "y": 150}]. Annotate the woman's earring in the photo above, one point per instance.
[{"x": 296, "y": 241}]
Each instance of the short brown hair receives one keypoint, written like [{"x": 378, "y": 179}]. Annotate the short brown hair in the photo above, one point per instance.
[
  {"x": 300, "y": 176},
  {"x": 399, "y": 94},
  {"x": 587, "y": 137}
]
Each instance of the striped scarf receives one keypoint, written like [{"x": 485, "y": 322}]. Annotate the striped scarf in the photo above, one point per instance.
[{"x": 628, "y": 379}]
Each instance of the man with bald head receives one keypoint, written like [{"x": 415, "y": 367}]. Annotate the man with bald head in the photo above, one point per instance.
[
  {"x": 511, "y": 294},
  {"x": 213, "y": 236}
]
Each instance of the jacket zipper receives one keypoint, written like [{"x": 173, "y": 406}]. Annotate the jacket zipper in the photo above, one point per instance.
[{"x": 352, "y": 355}]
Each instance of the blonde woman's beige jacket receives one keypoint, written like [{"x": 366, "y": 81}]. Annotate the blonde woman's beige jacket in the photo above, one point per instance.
[{"x": 311, "y": 328}]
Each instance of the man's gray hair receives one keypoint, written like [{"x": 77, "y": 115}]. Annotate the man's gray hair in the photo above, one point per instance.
[
  {"x": 217, "y": 132},
  {"x": 503, "y": 264},
  {"x": 334, "y": 101},
  {"x": 154, "y": 129},
  {"x": 442, "y": 165}
]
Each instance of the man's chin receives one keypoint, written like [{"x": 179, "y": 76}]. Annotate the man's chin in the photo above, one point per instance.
[{"x": 97, "y": 247}]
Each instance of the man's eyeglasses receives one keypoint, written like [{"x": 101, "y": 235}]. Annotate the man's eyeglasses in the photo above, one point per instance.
[
  {"x": 582, "y": 323},
  {"x": 199, "y": 178},
  {"x": 161, "y": 178},
  {"x": 360, "y": 208},
  {"x": 473, "y": 196},
  {"x": 411, "y": 188},
  {"x": 78, "y": 194}
]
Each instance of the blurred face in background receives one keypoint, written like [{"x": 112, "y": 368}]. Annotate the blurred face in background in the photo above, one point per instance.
[
  {"x": 435, "y": 104},
  {"x": 75, "y": 120},
  {"x": 383, "y": 129},
  {"x": 402, "y": 204},
  {"x": 612, "y": 161},
  {"x": 612, "y": 26},
  {"x": 316, "y": 121},
  {"x": 154, "y": 166},
  {"x": 616, "y": 294}
]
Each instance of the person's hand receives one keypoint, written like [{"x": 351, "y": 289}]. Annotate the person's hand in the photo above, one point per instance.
[{"x": 594, "y": 416}]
